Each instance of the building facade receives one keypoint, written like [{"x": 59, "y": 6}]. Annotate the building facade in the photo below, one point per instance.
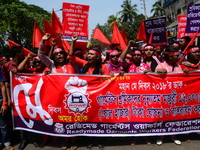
[{"x": 173, "y": 8}]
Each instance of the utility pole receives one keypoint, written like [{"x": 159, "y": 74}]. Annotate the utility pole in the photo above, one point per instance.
[{"x": 145, "y": 11}]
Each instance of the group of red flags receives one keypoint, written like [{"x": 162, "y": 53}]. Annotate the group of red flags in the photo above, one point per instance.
[{"x": 55, "y": 29}]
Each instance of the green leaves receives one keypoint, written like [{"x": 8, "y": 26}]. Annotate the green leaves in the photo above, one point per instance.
[{"x": 16, "y": 22}]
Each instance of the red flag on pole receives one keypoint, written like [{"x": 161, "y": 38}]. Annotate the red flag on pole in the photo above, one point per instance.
[
  {"x": 11, "y": 44},
  {"x": 55, "y": 23},
  {"x": 48, "y": 29},
  {"x": 185, "y": 51},
  {"x": 117, "y": 37},
  {"x": 100, "y": 36},
  {"x": 66, "y": 46},
  {"x": 141, "y": 33},
  {"x": 150, "y": 38},
  {"x": 124, "y": 36},
  {"x": 37, "y": 36}
]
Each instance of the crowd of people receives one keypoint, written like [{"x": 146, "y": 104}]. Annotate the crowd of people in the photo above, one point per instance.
[{"x": 133, "y": 59}]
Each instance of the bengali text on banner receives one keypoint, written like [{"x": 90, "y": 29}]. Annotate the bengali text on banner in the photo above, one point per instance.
[{"x": 130, "y": 105}]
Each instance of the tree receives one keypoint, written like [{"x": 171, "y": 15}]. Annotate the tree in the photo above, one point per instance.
[
  {"x": 17, "y": 20},
  {"x": 129, "y": 11},
  {"x": 132, "y": 27},
  {"x": 112, "y": 19},
  {"x": 157, "y": 9}
]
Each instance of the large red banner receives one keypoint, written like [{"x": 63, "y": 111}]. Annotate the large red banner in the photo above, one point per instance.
[
  {"x": 75, "y": 21},
  {"x": 129, "y": 105}
]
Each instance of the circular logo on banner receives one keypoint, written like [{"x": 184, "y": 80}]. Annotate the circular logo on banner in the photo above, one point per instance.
[
  {"x": 77, "y": 102},
  {"x": 59, "y": 128}
]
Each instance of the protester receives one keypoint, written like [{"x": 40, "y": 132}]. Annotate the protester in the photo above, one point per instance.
[
  {"x": 117, "y": 63},
  {"x": 60, "y": 63},
  {"x": 39, "y": 66},
  {"x": 17, "y": 64},
  {"x": 5, "y": 135},
  {"x": 148, "y": 57},
  {"x": 171, "y": 58},
  {"x": 185, "y": 40},
  {"x": 138, "y": 66},
  {"x": 93, "y": 65},
  {"x": 128, "y": 58},
  {"x": 158, "y": 53},
  {"x": 193, "y": 59},
  {"x": 170, "y": 64}
]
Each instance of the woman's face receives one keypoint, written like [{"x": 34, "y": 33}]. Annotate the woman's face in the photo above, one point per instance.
[
  {"x": 137, "y": 58},
  {"x": 149, "y": 52},
  {"x": 39, "y": 65},
  {"x": 114, "y": 58},
  {"x": 174, "y": 58},
  {"x": 92, "y": 58},
  {"x": 59, "y": 57}
]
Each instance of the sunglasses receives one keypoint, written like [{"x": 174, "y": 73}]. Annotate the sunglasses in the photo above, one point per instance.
[
  {"x": 113, "y": 56},
  {"x": 56, "y": 53}
]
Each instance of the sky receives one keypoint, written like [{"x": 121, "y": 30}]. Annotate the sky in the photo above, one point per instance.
[{"x": 99, "y": 9}]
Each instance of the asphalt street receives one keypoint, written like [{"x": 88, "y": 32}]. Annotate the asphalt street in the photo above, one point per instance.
[{"x": 118, "y": 143}]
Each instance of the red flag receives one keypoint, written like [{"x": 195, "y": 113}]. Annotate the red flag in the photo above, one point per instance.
[
  {"x": 150, "y": 38},
  {"x": 11, "y": 44},
  {"x": 82, "y": 45},
  {"x": 66, "y": 46},
  {"x": 37, "y": 36},
  {"x": 100, "y": 36},
  {"x": 117, "y": 37},
  {"x": 48, "y": 29},
  {"x": 124, "y": 36},
  {"x": 55, "y": 23},
  {"x": 141, "y": 33},
  {"x": 189, "y": 44}
]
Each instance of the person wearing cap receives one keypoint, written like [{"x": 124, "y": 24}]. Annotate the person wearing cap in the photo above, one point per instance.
[
  {"x": 148, "y": 57},
  {"x": 93, "y": 64},
  {"x": 137, "y": 65},
  {"x": 59, "y": 63},
  {"x": 193, "y": 59}
]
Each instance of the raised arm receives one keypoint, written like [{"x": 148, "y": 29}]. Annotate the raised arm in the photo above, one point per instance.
[
  {"x": 74, "y": 38},
  {"x": 53, "y": 42},
  {"x": 44, "y": 38},
  {"x": 123, "y": 54},
  {"x": 23, "y": 64},
  {"x": 45, "y": 59}
]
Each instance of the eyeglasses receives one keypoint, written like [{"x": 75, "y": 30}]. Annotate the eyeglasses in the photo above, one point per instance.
[{"x": 113, "y": 56}]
